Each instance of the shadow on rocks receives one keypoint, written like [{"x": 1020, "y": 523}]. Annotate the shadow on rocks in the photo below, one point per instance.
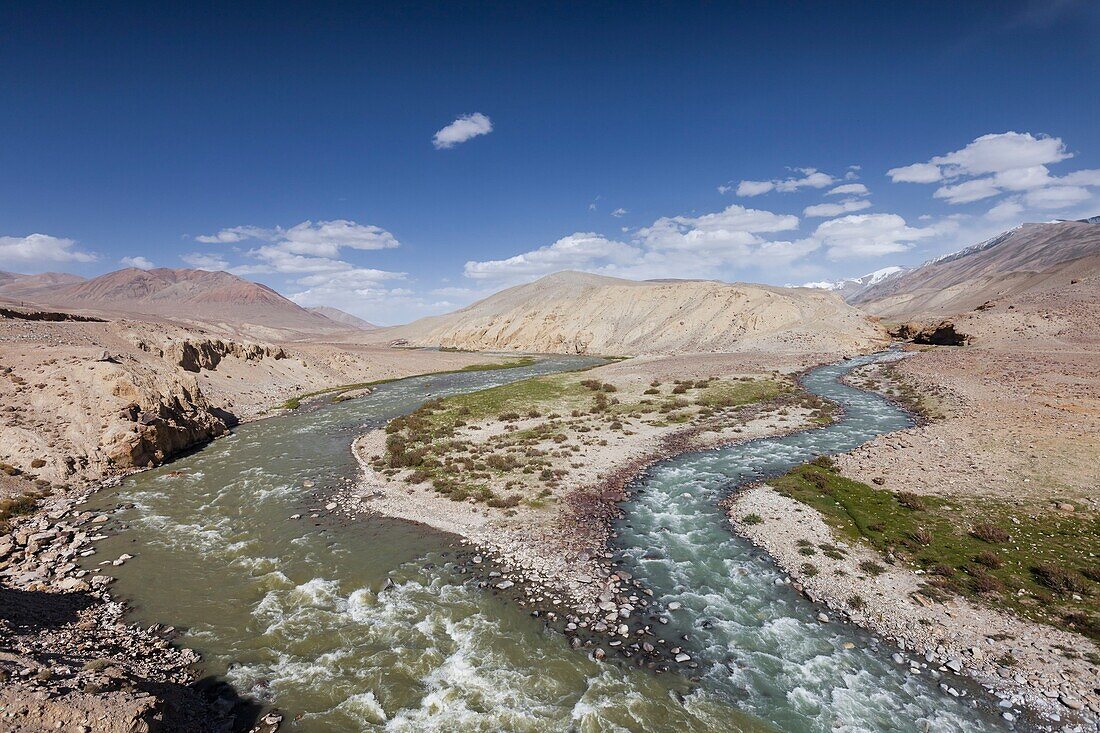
[
  {"x": 208, "y": 705},
  {"x": 33, "y": 609}
]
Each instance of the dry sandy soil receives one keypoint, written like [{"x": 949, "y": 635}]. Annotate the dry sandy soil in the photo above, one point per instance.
[
  {"x": 573, "y": 312},
  {"x": 79, "y": 401}
]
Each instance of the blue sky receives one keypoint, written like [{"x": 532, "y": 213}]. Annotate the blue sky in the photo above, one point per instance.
[{"x": 311, "y": 146}]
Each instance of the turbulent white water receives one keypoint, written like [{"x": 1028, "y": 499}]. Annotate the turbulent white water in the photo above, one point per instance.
[{"x": 294, "y": 612}]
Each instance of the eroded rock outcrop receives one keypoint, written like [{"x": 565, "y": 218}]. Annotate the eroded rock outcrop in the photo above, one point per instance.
[{"x": 195, "y": 356}]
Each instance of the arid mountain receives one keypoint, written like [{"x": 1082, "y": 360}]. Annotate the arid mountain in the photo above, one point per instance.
[
  {"x": 342, "y": 318},
  {"x": 573, "y": 312},
  {"x": 188, "y": 296},
  {"x": 1031, "y": 258},
  {"x": 16, "y": 286}
]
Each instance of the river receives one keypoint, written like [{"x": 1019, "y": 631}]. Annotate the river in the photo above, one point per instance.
[{"x": 293, "y": 612}]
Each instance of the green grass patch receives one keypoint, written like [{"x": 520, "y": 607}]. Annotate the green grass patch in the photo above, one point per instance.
[
  {"x": 535, "y": 429},
  {"x": 1039, "y": 562}
]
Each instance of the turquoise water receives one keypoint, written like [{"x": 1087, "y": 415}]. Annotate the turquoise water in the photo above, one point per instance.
[{"x": 293, "y": 612}]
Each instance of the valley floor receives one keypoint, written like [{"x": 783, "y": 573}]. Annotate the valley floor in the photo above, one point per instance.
[{"x": 1007, "y": 434}]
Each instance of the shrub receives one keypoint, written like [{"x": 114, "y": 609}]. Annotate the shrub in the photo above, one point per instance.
[
  {"x": 417, "y": 477},
  {"x": 856, "y": 602},
  {"x": 871, "y": 567},
  {"x": 752, "y": 519},
  {"x": 679, "y": 389},
  {"x": 38, "y": 463},
  {"x": 988, "y": 559},
  {"x": 990, "y": 533},
  {"x": 807, "y": 551},
  {"x": 909, "y": 500},
  {"x": 608, "y": 387},
  {"x": 983, "y": 582},
  {"x": 508, "y": 416},
  {"x": 1059, "y": 580},
  {"x": 921, "y": 536},
  {"x": 809, "y": 569},
  {"x": 652, "y": 390},
  {"x": 825, "y": 462}
]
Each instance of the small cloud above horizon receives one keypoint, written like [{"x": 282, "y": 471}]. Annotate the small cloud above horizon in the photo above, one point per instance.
[
  {"x": 465, "y": 127},
  {"x": 141, "y": 263},
  {"x": 42, "y": 248}
]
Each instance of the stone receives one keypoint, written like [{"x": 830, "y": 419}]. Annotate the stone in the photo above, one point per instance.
[
  {"x": 955, "y": 665},
  {"x": 505, "y": 584},
  {"x": 681, "y": 657},
  {"x": 674, "y": 605},
  {"x": 1070, "y": 702},
  {"x": 823, "y": 618}
]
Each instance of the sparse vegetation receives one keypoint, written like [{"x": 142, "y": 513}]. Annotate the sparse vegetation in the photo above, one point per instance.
[
  {"x": 530, "y": 446},
  {"x": 1041, "y": 568},
  {"x": 16, "y": 506}
]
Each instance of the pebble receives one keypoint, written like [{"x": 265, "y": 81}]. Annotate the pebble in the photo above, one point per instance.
[{"x": 823, "y": 617}]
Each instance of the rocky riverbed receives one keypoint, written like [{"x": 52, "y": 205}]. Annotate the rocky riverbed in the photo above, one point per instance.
[{"x": 69, "y": 659}]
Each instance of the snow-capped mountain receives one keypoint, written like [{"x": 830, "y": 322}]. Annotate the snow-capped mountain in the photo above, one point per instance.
[{"x": 851, "y": 287}]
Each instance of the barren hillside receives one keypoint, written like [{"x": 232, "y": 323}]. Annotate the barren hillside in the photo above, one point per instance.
[
  {"x": 344, "y": 319},
  {"x": 217, "y": 299},
  {"x": 573, "y": 312},
  {"x": 1025, "y": 261}
]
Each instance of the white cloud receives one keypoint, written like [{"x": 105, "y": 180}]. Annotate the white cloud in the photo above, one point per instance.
[
  {"x": 41, "y": 248},
  {"x": 844, "y": 207},
  {"x": 322, "y": 238},
  {"x": 1009, "y": 164},
  {"x": 916, "y": 173},
  {"x": 868, "y": 235},
  {"x": 620, "y": 212},
  {"x": 964, "y": 193},
  {"x": 139, "y": 262},
  {"x": 232, "y": 235},
  {"x": 1022, "y": 179},
  {"x": 848, "y": 189},
  {"x": 811, "y": 178},
  {"x": 1056, "y": 197},
  {"x": 205, "y": 261},
  {"x": 677, "y": 246},
  {"x": 307, "y": 247},
  {"x": 576, "y": 251},
  {"x": 1084, "y": 177},
  {"x": 461, "y": 130},
  {"x": 1005, "y": 210},
  {"x": 1001, "y": 152},
  {"x": 750, "y": 188}
]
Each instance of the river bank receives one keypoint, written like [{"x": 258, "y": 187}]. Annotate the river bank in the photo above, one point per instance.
[
  {"x": 70, "y": 651},
  {"x": 1043, "y": 668},
  {"x": 70, "y": 656}
]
